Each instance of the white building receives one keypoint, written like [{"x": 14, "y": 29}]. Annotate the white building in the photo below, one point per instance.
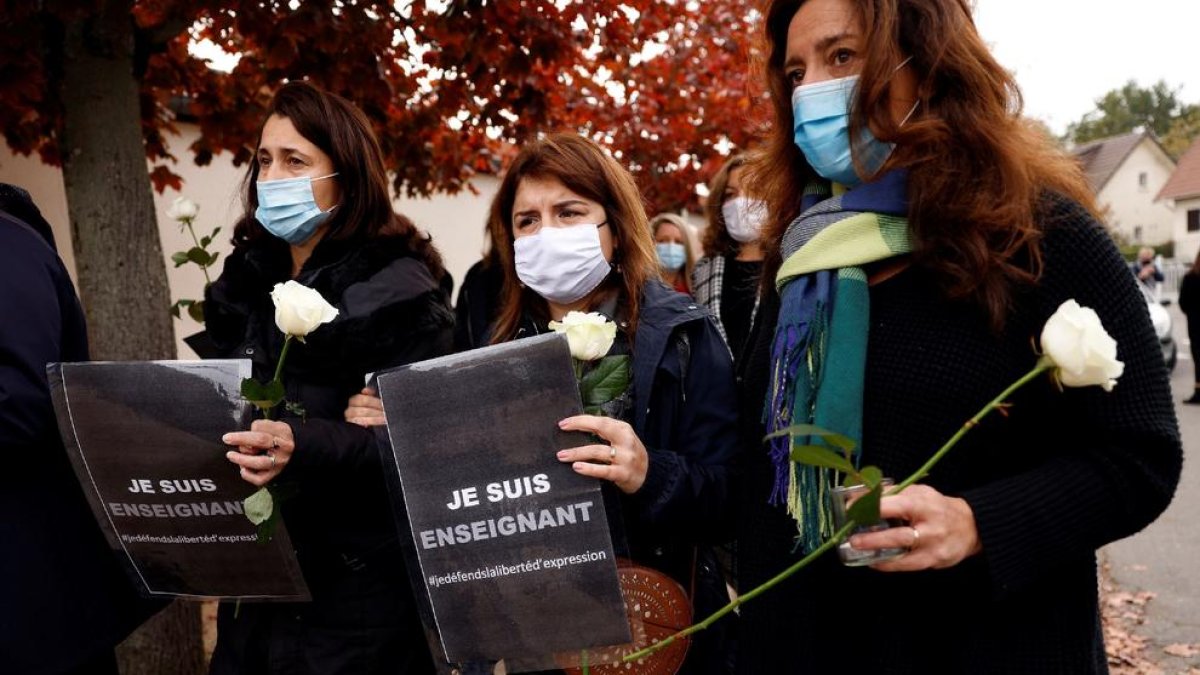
[
  {"x": 1126, "y": 173},
  {"x": 1182, "y": 194},
  {"x": 455, "y": 223}
]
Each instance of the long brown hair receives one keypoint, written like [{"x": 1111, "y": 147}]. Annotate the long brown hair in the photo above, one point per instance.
[
  {"x": 717, "y": 241},
  {"x": 586, "y": 170},
  {"x": 977, "y": 170},
  {"x": 343, "y": 132}
]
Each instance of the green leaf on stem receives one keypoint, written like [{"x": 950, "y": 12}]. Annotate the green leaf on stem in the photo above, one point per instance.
[
  {"x": 831, "y": 437},
  {"x": 608, "y": 380},
  {"x": 871, "y": 476},
  {"x": 263, "y": 396},
  {"x": 197, "y": 255},
  {"x": 865, "y": 509},
  {"x": 819, "y": 455},
  {"x": 212, "y": 259},
  {"x": 259, "y": 506},
  {"x": 179, "y": 304},
  {"x": 179, "y": 258},
  {"x": 196, "y": 311}
]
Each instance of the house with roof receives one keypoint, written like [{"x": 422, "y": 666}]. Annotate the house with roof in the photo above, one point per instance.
[
  {"x": 1127, "y": 173},
  {"x": 1182, "y": 193}
]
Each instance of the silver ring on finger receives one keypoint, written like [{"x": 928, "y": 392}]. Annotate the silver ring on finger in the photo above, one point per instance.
[
  {"x": 272, "y": 456},
  {"x": 916, "y": 538},
  {"x": 612, "y": 454}
]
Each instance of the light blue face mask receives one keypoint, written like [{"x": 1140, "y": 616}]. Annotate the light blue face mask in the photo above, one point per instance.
[
  {"x": 671, "y": 255},
  {"x": 288, "y": 209},
  {"x": 822, "y": 130}
]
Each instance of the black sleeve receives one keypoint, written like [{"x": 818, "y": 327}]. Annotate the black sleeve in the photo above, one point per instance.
[
  {"x": 226, "y": 303},
  {"x": 1119, "y": 466},
  {"x": 687, "y": 488},
  {"x": 33, "y": 284},
  {"x": 422, "y": 330}
]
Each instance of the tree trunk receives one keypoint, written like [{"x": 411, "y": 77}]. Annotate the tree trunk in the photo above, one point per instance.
[{"x": 118, "y": 256}]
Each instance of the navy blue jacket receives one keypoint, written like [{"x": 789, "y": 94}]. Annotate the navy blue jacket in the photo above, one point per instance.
[
  {"x": 685, "y": 413},
  {"x": 63, "y": 597}
]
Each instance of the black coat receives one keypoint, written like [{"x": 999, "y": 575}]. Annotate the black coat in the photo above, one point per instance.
[
  {"x": 63, "y": 598},
  {"x": 478, "y": 300},
  {"x": 391, "y": 311},
  {"x": 1059, "y": 476},
  {"x": 685, "y": 413}
]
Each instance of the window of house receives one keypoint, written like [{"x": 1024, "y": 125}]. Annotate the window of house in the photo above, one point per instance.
[
  {"x": 1193, "y": 220},
  {"x": 1142, "y": 179},
  {"x": 1137, "y": 234}
]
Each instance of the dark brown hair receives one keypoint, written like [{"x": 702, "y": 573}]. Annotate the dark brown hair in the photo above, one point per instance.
[
  {"x": 586, "y": 170},
  {"x": 977, "y": 170},
  {"x": 343, "y": 132},
  {"x": 716, "y": 240}
]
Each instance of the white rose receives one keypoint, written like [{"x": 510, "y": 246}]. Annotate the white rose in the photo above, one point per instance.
[
  {"x": 589, "y": 335},
  {"x": 1083, "y": 353},
  {"x": 299, "y": 310},
  {"x": 183, "y": 209}
]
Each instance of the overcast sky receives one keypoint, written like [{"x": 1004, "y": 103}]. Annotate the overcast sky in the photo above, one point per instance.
[{"x": 1068, "y": 53}]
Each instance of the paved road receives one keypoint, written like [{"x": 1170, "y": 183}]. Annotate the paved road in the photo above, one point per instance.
[{"x": 1165, "y": 557}]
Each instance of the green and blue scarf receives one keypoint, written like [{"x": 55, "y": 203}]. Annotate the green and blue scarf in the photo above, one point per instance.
[{"x": 819, "y": 354}]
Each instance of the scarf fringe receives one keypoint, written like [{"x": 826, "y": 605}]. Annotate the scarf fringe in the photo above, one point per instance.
[{"x": 796, "y": 359}]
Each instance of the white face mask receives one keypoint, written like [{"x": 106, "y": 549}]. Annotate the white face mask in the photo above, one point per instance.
[
  {"x": 744, "y": 218},
  {"x": 562, "y": 264}
]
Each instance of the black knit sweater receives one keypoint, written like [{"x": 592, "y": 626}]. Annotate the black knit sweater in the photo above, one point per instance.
[{"x": 1063, "y": 474}]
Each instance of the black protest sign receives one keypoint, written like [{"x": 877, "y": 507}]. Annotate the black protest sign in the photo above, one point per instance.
[
  {"x": 145, "y": 441},
  {"x": 513, "y": 546}
]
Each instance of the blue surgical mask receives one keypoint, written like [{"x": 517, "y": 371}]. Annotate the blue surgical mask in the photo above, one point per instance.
[
  {"x": 288, "y": 209},
  {"x": 821, "y": 114},
  {"x": 671, "y": 255}
]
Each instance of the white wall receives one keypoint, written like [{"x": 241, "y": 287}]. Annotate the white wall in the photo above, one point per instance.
[
  {"x": 456, "y": 223},
  {"x": 1186, "y": 243},
  {"x": 1132, "y": 205}
]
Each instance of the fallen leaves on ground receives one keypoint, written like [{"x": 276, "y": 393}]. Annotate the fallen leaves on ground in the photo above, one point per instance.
[
  {"x": 1121, "y": 613},
  {"x": 1182, "y": 650}
]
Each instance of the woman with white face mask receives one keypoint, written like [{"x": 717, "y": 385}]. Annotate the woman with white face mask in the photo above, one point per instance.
[
  {"x": 921, "y": 233},
  {"x": 572, "y": 235},
  {"x": 569, "y": 225},
  {"x": 726, "y": 279},
  {"x": 318, "y": 211}
]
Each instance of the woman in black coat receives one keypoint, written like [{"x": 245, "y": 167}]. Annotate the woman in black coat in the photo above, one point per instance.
[
  {"x": 65, "y": 602},
  {"x": 1189, "y": 304},
  {"x": 318, "y": 212},
  {"x": 914, "y": 210}
]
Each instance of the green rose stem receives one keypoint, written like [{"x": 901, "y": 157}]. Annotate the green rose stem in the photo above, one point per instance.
[
  {"x": 203, "y": 268},
  {"x": 1042, "y": 366},
  {"x": 287, "y": 343}
]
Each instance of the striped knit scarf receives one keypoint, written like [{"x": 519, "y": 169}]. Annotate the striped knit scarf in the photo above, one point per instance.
[{"x": 818, "y": 357}]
